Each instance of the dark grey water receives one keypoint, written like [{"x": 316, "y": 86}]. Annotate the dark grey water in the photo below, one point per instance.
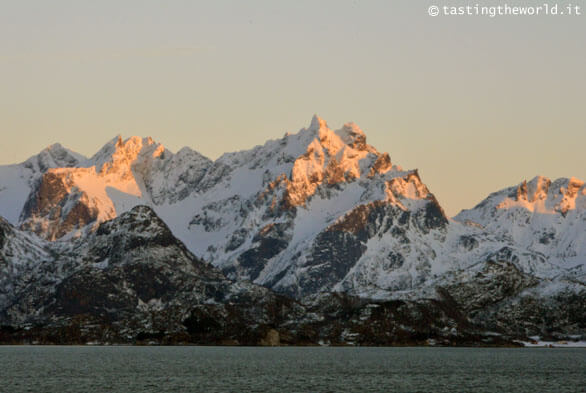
[{"x": 229, "y": 369}]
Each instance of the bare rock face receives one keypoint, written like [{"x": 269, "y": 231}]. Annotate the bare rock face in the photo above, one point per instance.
[
  {"x": 5, "y": 230},
  {"x": 56, "y": 207}
]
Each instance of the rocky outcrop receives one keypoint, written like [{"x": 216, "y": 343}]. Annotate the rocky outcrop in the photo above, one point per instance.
[{"x": 56, "y": 207}]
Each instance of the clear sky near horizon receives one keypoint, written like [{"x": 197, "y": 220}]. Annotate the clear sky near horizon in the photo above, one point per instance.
[{"x": 475, "y": 103}]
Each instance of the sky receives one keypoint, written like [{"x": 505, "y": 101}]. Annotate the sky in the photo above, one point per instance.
[{"x": 475, "y": 103}]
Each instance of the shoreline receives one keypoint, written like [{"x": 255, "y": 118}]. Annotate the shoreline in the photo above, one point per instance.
[{"x": 521, "y": 344}]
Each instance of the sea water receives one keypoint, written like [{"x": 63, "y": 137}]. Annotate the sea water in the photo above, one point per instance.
[{"x": 290, "y": 369}]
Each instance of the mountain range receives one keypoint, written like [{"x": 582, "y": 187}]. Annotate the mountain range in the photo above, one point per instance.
[{"x": 313, "y": 237}]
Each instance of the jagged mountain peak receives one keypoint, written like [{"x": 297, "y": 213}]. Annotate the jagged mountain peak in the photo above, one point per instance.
[
  {"x": 140, "y": 227},
  {"x": 131, "y": 144},
  {"x": 54, "y": 156},
  {"x": 120, "y": 152},
  {"x": 536, "y": 188},
  {"x": 352, "y": 135},
  {"x": 140, "y": 213},
  {"x": 57, "y": 150},
  {"x": 540, "y": 186},
  {"x": 539, "y": 195},
  {"x": 331, "y": 157},
  {"x": 54, "y": 147},
  {"x": 137, "y": 219},
  {"x": 544, "y": 196},
  {"x": 317, "y": 123}
]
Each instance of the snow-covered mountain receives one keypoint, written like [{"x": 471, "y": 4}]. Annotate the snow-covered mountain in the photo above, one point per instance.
[
  {"x": 543, "y": 216},
  {"x": 314, "y": 212},
  {"x": 271, "y": 214}
]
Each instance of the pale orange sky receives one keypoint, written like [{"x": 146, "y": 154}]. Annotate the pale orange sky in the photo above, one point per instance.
[{"x": 476, "y": 103}]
